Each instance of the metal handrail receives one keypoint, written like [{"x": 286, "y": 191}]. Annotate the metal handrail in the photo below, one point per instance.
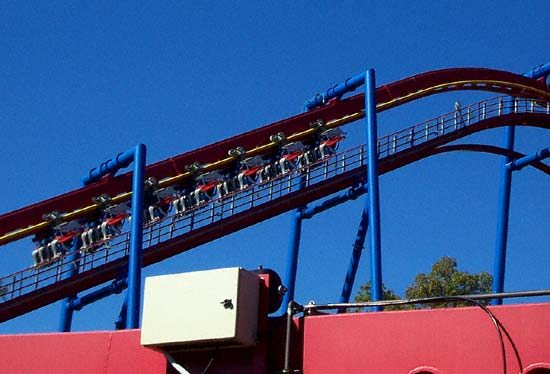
[{"x": 215, "y": 210}]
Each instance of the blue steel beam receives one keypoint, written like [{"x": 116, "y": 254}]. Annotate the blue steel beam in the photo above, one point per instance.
[
  {"x": 120, "y": 323},
  {"x": 121, "y": 161},
  {"x": 528, "y": 160},
  {"x": 66, "y": 317},
  {"x": 354, "y": 192},
  {"x": 136, "y": 238},
  {"x": 136, "y": 155},
  {"x": 501, "y": 243},
  {"x": 295, "y": 233},
  {"x": 370, "y": 99},
  {"x": 351, "y": 194},
  {"x": 499, "y": 266},
  {"x": 292, "y": 257},
  {"x": 539, "y": 72},
  {"x": 358, "y": 246},
  {"x": 336, "y": 91},
  {"x": 374, "y": 196},
  {"x": 508, "y": 167},
  {"x": 115, "y": 287}
]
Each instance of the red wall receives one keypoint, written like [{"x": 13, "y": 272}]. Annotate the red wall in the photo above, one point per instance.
[
  {"x": 462, "y": 340},
  {"x": 83, "y": 353},
  {"x": 441, "y": 341}
]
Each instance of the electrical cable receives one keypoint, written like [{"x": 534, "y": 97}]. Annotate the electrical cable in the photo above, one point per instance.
[
  {"x": 516, "y": 352},
  {"x": 499, "y": 327},
  {"x": 493, "y": 318},
  {"x": 496, "y": 323},
  {"x": 208, "y": 366},
  {"x": 180, "y": 369}
]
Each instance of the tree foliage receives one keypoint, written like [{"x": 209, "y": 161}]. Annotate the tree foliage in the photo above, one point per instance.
[
  {"x": 444, "y": 280},
  {"x": 364, "y": 295}
]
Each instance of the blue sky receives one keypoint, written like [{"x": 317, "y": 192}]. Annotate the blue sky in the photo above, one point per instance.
[{"x": 84, "y": 81}]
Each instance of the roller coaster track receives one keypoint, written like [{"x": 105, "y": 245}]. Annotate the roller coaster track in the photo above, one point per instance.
[
  {"x": 36, "y": 287},
  {"x": 77, "y": 203}
]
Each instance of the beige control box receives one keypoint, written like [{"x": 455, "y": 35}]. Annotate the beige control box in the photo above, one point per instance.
[{"x": 201, "y": 309}]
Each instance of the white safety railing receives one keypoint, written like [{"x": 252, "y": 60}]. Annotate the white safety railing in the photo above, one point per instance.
[{"x": 214, "y": 211}]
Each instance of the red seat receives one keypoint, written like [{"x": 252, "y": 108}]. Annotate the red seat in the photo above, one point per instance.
[
  {"x": 333, "y": 141},
  {"x": 116, "y": 219},
  {"x": 208, "y": 187},
  {"x": 252, "y": 170},
  {"x": 292, "y": 156},
  {"x": 61, "y": 239}
]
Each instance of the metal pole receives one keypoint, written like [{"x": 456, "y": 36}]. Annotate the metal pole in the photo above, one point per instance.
[
  {"x": 293, "y": 248},
  {"x": 374, "y": 197},
  {"x": 312, "y": 307},
  {"x": 288, "y": 339},
  {"x": 136, "y": 238},
  {"x": 335, "y": 91},
  {"x": 351, "y": 194},
  {"x": 120, "y": 323},
  {"x": 115, "y": 287},
  {"x": 358, "y": 246},
  {"x": 66, "y": 317},
  {"x": 499, "y": 266},
  {"x": 520, "y": 163},
  {"x": 539, "y": 72},
  {"x": 121, "y": 160},
  {"x": 292, "y": 256}
]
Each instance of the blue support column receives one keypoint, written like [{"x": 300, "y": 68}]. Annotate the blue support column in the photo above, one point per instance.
[
  {"x": 136, "y": 238},
  {"x": 374, "y": 197},
  {"x": 115, "y": 287},
  {"x": 293, "y": 250},
  {"x": 499, "y": 267},
  {"x": 336, "y": 91},
  {"x": 66, "y": 317},
  {"x": 292, "y": 257},
  {"x": 358, "y": 246},
  {"x": 351, "y": 194},
  {"x": 121, "y": 160},
  {"x": 138, "y": 156},
  {"x": 120, "y": 323},
  {"x": 520, "y": 163},
  {"x": 539, "y": 72}
]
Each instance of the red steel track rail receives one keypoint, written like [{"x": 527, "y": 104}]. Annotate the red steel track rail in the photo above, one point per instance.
[{"x": 388, "y": 96}]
